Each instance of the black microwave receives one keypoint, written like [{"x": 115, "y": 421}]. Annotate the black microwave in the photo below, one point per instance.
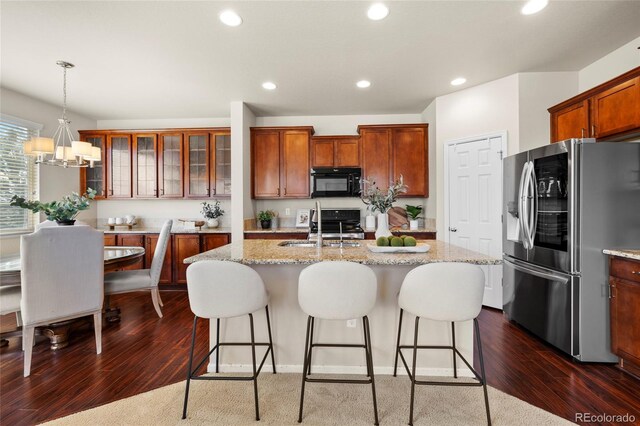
[{"x": 335, "y": 182}]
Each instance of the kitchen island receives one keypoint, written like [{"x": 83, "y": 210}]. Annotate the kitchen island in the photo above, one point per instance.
[{"x": 280, "y": 266}]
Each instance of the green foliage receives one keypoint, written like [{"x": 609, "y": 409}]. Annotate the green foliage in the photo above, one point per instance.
[
  {"x": 382, "y": 201},
  {"x": 266, "y": 215},
  {"x": 63, "y": 210},
  {"x": 211, "y": 211},
  {"x": 414, "y": 212}
]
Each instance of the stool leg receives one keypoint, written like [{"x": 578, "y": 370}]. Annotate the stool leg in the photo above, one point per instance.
[
  {"x": 453, "y": 342},
  {"x": 366, "y": 347},
  {"x": 369, "y": 351},
  {"x": 304, "y": 367},
  {"x": 395, "y": 364},
  {"x": 413, "y": 369},
  {"x": 189, "y": 365},
  {"x": 484, "y": 378},
  {"x": 313, "y": 324},
  {"x": 255, "y": 375},
  {"x": 218, "y": 343},
  {"x": 273, "y": 358}
]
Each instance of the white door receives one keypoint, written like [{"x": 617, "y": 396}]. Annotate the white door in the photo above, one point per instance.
[{"x": 474, "y": 203}]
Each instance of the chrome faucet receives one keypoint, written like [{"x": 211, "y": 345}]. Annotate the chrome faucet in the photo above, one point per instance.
[{"x": 319, "y": 219}]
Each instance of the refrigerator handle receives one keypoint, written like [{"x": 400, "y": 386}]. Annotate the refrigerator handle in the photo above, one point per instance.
[
  {"x": 524, "y": 202},
  {"x": 533, "y": 214},
  {"x": 538, "y": 272},
  {"x": 521, "y": 207}
]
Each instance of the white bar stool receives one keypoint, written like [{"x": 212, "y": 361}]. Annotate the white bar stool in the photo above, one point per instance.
[
  {"x": 337, "y": 291},
  {"x": 449, "y": 292},
  {"x": 219, "y": 289}
]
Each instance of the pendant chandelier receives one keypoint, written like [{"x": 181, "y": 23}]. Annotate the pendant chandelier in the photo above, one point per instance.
[{"x": 62, "y": 150}]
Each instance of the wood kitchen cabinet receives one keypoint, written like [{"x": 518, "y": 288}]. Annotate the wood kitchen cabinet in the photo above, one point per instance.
[
  {"x": 391, "y": 151},
  {"x": 170, "y": 165},
  {"x": 197, "y": 165},
  {"x": 109, "y": 239},
  {"x": 335, "y": 151},
  {"x": 119, "y": 166},
  {"x": 212, "y": 241},
  {"x": 145, "y": 166},
  {"x": 184, "y": 245},
  {"x": 617, "y": 109},
  {"x": 95, "y": 177},
  {"x": 610, "y": 111},
  {"x": 571, "y": 122},
  {"x": 280, "y": 159},
  {"x": 127, "y": 240},
  {"x": 220, "y": 162},
  {"x": 624, "y": 299},
  {"x": 151, "y": 241}
]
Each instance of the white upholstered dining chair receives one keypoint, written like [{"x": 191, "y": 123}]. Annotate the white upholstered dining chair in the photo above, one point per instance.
[
  {"x": 62, "y": 271},
  {"x": 142, "y": 279}
]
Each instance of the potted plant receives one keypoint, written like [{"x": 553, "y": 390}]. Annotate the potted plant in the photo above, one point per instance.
[
  {"x": 265, "y": 217},
  {"x": 382, "y": 201},
  {"x": 212, "y": 213},
  {"x": 414, "y": 213},
  {"x": 63, "y": 212}
]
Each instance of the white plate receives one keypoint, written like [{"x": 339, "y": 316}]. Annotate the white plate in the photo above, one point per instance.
[{"x": 420, "y": 248}]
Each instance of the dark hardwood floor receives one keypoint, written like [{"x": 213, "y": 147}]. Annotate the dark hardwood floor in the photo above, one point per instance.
[{"x": 144, "y": 352}]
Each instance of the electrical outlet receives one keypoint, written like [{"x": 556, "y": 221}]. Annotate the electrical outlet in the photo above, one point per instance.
[
  {"x": 352, "y": 323},
  {"x": 287, "y": 212}
]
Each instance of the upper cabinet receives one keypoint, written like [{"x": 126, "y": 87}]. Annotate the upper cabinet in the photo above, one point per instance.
[
  {"x": 119, "y": 166},
  {"x": 335, "y": 151},
  {"x": 145, "y": 166},
  {"x": 177, "y": 163},
  {"x": 280, "y": 158},
  {"x": 391, "y": 151},
  {"x": 610, "y": 111},
  {"x": 95, "y": 177}
]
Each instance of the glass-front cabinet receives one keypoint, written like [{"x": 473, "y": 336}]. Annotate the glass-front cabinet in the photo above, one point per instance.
[
  {"x": 197, "y": 172},
  {"x": 221, "y": 160},
  {"x": 95, "y": 177},
  {"x": 170, "y": 166},
  {"x": 119, "y": 166},
  {"x": 145, "y": 166}
]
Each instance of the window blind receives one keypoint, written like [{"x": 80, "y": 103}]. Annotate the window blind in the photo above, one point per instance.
[{"x": 18, "y": 176}]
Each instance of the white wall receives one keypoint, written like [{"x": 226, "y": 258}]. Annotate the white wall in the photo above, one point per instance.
[
  {"x": 490, "y": 107},
  {"x": 537, "y": 92},
  {"x": 429, "y": 116},
  {"x": 54, "y": 181},
  {"x": 242, "y": 118},
  {"x": 164, "y": 123},
  {"x": 612, "y": 65}
]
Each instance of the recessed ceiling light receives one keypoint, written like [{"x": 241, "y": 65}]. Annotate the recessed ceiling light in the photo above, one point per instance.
[
  {"x": 534, "y": 6},
  {"x": 269, "y": 85},
  {"x": 458, "y": 81},
  {"x": 363, "y": 84},
  {"x": 377, "y": 11},
  {"x": 230, "y": 18}
]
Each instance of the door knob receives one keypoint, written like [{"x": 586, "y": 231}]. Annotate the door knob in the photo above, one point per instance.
[{"x": 453, "y": 229}]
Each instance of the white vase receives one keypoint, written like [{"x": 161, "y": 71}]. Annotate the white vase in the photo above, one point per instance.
[
  {"x": 413, "y": 224},
  {"x": 213, "y": 223},
  {"x": 383, "y": 226},
  {"x": 370, "y": 222}
]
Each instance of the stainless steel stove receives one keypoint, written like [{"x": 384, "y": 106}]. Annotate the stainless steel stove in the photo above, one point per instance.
[{"x": 337, "y": 223}]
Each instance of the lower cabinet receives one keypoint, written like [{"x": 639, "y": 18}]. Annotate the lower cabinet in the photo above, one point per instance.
[
  {"x": 625, "y": 312},
  {"x": 187, "y": 245},
  {"x": 212, "y": 241}
]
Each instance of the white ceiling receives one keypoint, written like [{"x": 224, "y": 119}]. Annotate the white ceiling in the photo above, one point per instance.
[{"x": 175, "y": 59}]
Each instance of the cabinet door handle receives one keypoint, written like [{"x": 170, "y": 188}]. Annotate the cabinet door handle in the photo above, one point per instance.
[
  {"x": 162, "y": 191},
  {"x": 635, "y": 272},
  {"x": 611, "y": 294},
  {"x": 593, "y": 130},
  {"x": 278, "y": 191},
  {"x": 213, "y": 191},
  {"x": 582, "y": 132},
  {"x": 102, "y": 192},
  {"x": 111, "y": 192},
  {"x": 285, "y": 191}
]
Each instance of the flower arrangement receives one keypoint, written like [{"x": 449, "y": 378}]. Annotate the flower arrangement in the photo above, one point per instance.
[
  {"x": 63, "y": 211},
  {"x": 379, "y": 200},
  {"x": 211, "y": 211}
]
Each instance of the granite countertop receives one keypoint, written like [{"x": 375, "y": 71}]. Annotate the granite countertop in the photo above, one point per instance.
[
  {"x": 268, "y": 252},
  {"x": 290, "y": 230},
  {"x": 628, "y": 253},
  {"x": 156, "y": 230}
]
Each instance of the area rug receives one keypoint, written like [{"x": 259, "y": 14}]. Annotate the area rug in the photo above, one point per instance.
[{"x": 231, "y": 403}]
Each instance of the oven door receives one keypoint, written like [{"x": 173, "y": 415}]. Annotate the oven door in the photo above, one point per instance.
[
  {"x": 543, "y": 301},
  {"x": 331, "y": 185}
]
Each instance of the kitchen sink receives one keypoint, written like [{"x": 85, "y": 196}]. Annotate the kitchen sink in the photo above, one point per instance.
[{"x": 307, "y": 243}]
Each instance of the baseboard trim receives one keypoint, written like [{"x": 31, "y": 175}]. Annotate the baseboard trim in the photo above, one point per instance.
[{"x": 340, "y": 369}]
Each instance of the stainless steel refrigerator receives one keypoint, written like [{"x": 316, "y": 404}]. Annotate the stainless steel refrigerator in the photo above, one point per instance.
[{"x": 562, "y": 205}]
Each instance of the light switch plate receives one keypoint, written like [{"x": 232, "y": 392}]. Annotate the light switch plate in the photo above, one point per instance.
[
  {"x": 287, "y": 212},
  {"x": 352, "y": 323}
]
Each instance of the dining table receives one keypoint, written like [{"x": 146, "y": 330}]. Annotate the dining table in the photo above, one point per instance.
[{"x": 116, "y": 258}]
